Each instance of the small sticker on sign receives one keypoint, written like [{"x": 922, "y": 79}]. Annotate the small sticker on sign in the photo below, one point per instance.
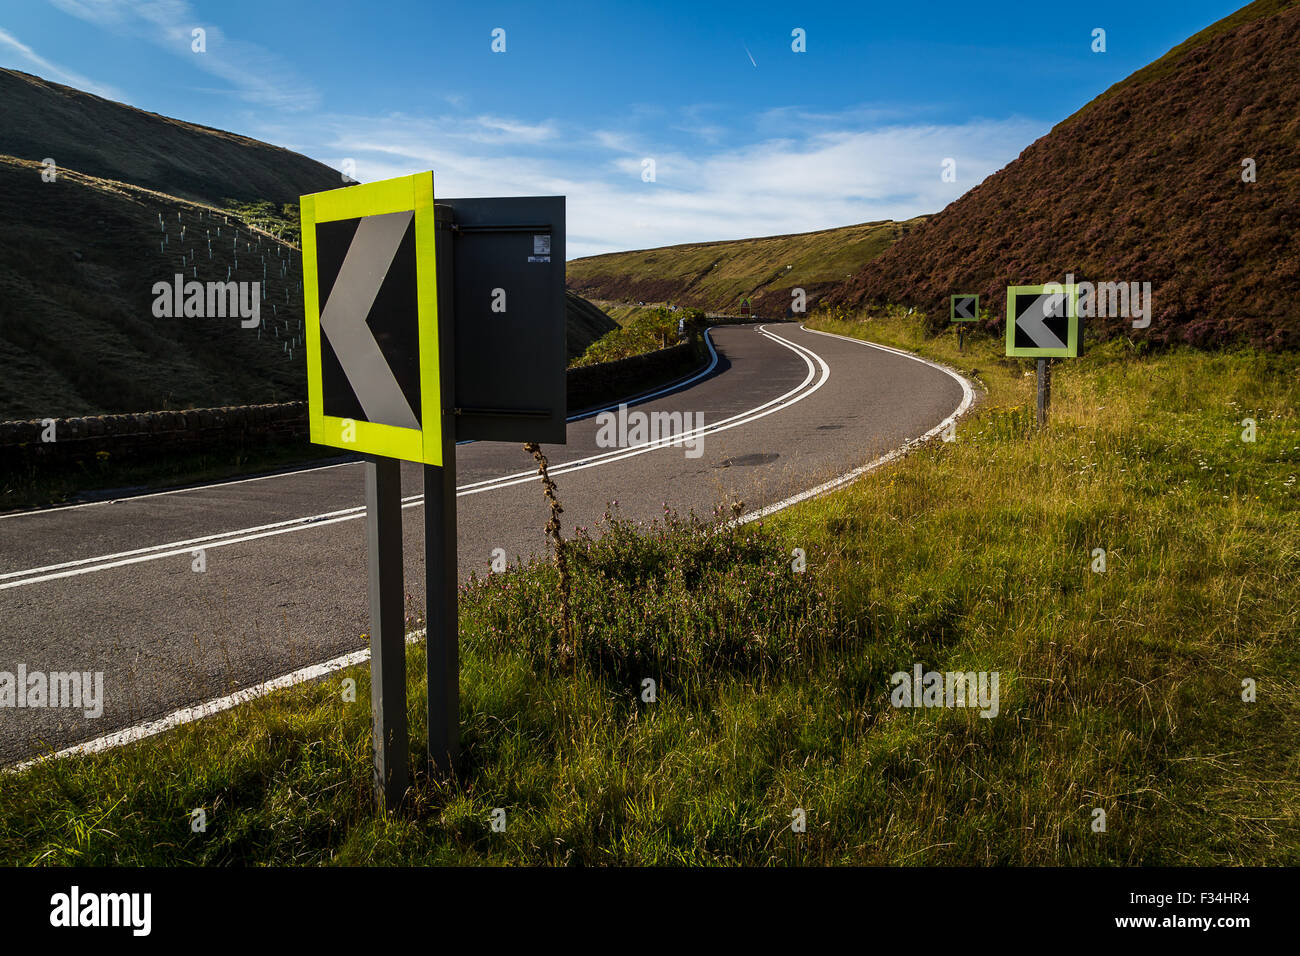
[
  {"x": 539, "y": 258},
  {"x": 541, "y": 246}
]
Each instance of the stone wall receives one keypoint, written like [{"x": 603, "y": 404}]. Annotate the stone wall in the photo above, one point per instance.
[
  {"x": 244, "y": 429},
  {"x": 592, "y": 386}
]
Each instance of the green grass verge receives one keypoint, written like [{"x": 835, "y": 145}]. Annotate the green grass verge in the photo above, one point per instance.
[{"x": 1119, "y": 690}]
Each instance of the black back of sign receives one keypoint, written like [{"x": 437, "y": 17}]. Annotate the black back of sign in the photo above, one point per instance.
[{"x": 508, "y": 260}]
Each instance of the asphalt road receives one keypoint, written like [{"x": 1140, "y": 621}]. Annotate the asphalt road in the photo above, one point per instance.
[{"x": 110, "y": 586}]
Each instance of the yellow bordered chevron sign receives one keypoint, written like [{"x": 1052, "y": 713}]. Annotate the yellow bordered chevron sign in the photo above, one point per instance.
[
  {"x": 1043, "y": 321},
  {"x": 371, "y": 301}
]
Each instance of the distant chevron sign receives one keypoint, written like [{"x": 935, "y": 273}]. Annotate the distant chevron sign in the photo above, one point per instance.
[
  {"x": 964, "y": 308},
  {"x": 1043, "y": 321},
  {"x": 372, "y": 319}
]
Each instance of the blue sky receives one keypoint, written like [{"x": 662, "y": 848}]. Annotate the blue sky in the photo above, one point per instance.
[{"x": 748, "y": 137}]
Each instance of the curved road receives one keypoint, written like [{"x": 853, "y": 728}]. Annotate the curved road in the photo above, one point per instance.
[{"x": 109, "y": 586}]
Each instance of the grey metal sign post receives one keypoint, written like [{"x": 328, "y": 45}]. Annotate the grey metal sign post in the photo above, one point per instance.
[
  {"x": 387, "y": 629},
  {"x": 442, "y": 617},
  {"x": 501, "y": 301},
  {"x": 1044, "y": 390}
]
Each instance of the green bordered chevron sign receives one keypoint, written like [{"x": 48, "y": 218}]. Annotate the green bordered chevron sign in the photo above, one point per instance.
[
  {"x": 371, "y": 301},
  {"x": 963, "y": 308},
  {"x": 1043, "y": 321}
]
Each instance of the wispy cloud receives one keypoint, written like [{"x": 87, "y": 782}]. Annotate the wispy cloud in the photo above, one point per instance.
[
  {"x": 257, "y": 75},
  {"x": 491, "y": 129},
  {"x": 53, "y": 71},
  {"x": 770, "y": 186}
]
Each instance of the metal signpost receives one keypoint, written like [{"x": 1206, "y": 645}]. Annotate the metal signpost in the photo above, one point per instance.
[
  {"x": 427, "y": 323},
  {"x": 1043, "y": 323},
  {"x": 963, "y": 308},
  {"x": 502, "y": 280}
]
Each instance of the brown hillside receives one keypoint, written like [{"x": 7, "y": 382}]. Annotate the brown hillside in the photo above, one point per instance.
[
  {"x": 1143, "y": 184},
  {"x": 40, "y": 119}
]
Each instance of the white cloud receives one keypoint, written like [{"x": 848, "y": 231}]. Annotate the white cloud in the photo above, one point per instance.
[
  {"x": 254, "y": 73},
  {"x": 492, "y": 129},
  {"x": 771, "y": 187},
  {"x": 52, "y": 71}
]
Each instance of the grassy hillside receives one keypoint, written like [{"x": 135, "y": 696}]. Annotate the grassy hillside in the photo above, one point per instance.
[
  {"x": 1143, "y": 184},
  {"x": 1119, "y": 690},
  {"x": 715, "y": 276},
  {"x": 78, "y": 261},
  {"x": 40, "y": 119}
]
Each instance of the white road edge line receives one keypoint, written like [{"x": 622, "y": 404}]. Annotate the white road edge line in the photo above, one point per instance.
[
  {"x": 174, "y": 491},
  {"x": 198, "y": 711},
  {"x": 781, "y": 402},
  {"x": 967, "y": 399},
  {"x": 187, "y": 715}
]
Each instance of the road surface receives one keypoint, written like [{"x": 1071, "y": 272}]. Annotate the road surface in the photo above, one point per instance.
[{"x": 110, "y": 586}]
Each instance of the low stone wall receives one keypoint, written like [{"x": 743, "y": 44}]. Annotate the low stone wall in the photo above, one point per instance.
[
  {"x": 242, "y": 429},
  {"x": 148, "y": 436},
  {"x": 592, "y": 386}
]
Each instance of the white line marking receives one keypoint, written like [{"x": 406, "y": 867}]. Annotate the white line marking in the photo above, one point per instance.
[
  {"x": 186, "y": 715},
  {"x": 174, "y": 491},
  {"x": 315, "y": 519},
  {"x": 741, "y": 418},
  {"x": 967, "y": 399},
  {"x": 634, "y": 400}
]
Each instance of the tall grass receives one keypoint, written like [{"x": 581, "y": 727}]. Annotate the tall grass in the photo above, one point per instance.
[{"x": 1120, "y": 691}]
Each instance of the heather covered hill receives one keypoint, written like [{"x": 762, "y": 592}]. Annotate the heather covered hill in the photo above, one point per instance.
[
  {"x": 81, "y": 131},
  {"x": 715, "y": 276},
  {"x": 1144, "y": 184}
]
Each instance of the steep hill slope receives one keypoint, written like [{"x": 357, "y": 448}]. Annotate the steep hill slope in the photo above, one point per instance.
[
  {"x": 78, "y": 261},
  {"x": 110, "y": 140},
  {"x": 586, "y": 324},
  {"x": 716, "y": 275},
  {"x": 79, "y": 257},
  {"x": 1144, "y": 184}
]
